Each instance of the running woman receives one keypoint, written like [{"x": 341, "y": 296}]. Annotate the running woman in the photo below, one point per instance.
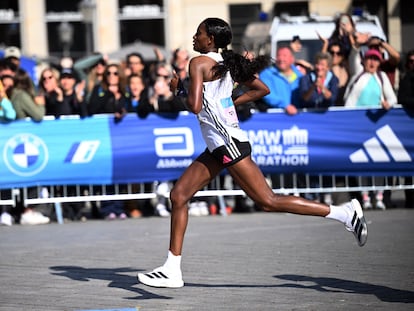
[{"x": 212, "y": 77}]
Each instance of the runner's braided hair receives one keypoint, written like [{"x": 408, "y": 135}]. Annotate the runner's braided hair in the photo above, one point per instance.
[{"x": 242, "y": 69}]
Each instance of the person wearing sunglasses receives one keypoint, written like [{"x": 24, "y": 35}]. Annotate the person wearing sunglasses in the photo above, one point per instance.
[
  {"x": 161, "y": 98},
  {"x": 109, "y": 96},
  {"x": 51, "y": 91},
  {"x": 340, "y": 69}
]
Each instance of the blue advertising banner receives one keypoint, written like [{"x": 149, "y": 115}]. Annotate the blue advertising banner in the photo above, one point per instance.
[
  {"x": 159, "y": 147},
  {"x": 55, "y": 152},
  {"x": 346, "y": 142},
  {"x": 97, "y": 150}
]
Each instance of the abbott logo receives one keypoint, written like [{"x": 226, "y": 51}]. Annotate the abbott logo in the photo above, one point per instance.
[
  {"x": 377, "y": 153},
  {"x": 174, "y": 142}
]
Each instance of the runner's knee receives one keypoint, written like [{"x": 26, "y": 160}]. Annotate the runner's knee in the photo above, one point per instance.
[
  {"x": 271, "y": 203},
  {"x": 177, "y": 197}
]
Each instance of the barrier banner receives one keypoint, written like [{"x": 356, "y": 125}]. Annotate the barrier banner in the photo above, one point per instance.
[
  {"x": 55, "y": 152},
  {"x": 97, "y": 150}
]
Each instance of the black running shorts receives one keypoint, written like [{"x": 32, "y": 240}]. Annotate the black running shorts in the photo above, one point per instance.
[{"x": 228, "y": 155}]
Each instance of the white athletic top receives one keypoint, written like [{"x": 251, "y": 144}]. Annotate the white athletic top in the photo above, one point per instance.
[{"x": 218, "y": 118}]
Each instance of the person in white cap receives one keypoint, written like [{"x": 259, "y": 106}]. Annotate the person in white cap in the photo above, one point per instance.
[{"x": 13, "y": 54}]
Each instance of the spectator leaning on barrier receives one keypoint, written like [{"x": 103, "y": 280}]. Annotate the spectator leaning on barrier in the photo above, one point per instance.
[
  {"x": 23, "y": 98},
  {"x": 73, "y": 94},
  {"x": 110, "y": 95},
  {"x": 369, "y": 87},
  {"x": 390, "y": 64},
  {"x": 27, "y": 105},
  {"x": 137, "y": 93},
  {"x": 282, "y": 79},
  {"x": 51, "y": 91},
  {"x": 319, "y": 88}
]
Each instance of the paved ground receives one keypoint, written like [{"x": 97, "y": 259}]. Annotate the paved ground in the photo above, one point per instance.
[{"x": 253, "y": 261}]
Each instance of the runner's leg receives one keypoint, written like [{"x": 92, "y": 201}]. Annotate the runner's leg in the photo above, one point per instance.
[
  {"x": 196, "y": 176},
  {"x": 250, "y": 178}
]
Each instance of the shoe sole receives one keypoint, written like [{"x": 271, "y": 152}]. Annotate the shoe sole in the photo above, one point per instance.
[
  {"x": 359, "y": 225},
  {"x": 161, "y": 281}
]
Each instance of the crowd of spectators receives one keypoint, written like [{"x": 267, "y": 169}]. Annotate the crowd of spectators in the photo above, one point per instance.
[
  {"x": 86, "y": 87},
  {"x": 352, "y": 69}
]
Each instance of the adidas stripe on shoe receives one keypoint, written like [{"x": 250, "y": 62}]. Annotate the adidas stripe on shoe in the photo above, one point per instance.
[
  {"x": 358, "y": 225},
  {"x": 160, "y": 277}
]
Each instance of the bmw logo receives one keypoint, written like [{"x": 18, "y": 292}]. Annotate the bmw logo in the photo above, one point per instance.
[{"x": 25, "y": 154}]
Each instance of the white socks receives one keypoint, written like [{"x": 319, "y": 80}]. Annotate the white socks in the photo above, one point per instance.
[
  {"x": 340, "y": 213},
  {"x": 173, "y": 263}
]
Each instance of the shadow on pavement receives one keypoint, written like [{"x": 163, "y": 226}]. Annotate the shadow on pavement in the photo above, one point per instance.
[
  {"x": 118, "y": 279},
  {"x": 334, "y": 285},
  {"x": 115, "y": 277}
]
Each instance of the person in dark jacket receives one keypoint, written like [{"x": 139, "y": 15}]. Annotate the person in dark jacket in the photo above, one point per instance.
[
  {"x": 109, "y": 96},
  {"x": 73, "y": 95},
  {"x": 406, "y": 89}
]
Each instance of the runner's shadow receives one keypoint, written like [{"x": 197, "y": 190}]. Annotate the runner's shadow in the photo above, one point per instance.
[
  {"x": 334, "y": 285},
  {"x": 115, "y": 277}
]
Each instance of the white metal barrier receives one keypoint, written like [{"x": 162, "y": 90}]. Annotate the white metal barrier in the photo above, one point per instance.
[{"x": 282, "y": 184}]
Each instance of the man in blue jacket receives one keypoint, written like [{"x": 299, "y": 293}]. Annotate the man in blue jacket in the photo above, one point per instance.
[{"x": 283, "y": 81}]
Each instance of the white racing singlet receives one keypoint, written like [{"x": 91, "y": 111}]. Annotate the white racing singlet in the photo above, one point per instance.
[{"x": 218, "y": 118}]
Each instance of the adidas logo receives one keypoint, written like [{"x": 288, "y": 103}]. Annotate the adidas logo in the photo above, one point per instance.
[
  {"x": 381, "y": 147},
  {"x": 226, "y": 159}
]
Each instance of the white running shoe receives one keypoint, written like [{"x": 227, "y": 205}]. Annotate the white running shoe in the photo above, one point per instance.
[
  {"x": 194, "y": 209},
  {"x": 162, "y": 210},
  {"x": 358, "y": 225},
  {"x": 367, "y": 205},
  {"x": 31, "y": 217},
  {"x": 6, "y": 219},
  {"x": 380, "y": 205},
  {"x": 203, "y": 208},
  {"x": 161, "y": 277}
]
